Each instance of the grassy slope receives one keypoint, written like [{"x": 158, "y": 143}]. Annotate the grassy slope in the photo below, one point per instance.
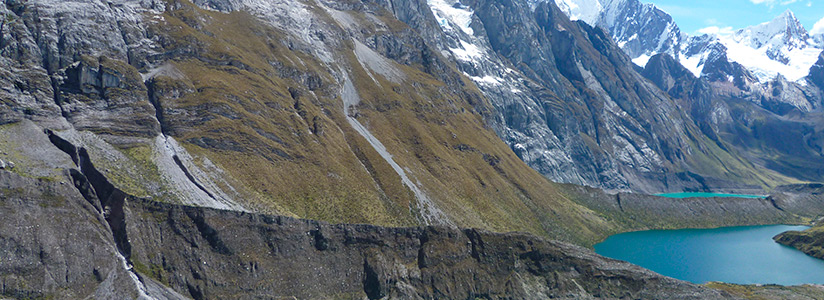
[
  {"x": 810, "y": 241},
  {"x": 432, "y": 129}
]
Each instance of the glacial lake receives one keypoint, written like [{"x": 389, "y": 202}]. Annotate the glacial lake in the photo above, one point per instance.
[
  {"x": 707, "y": 195},
  {"x": 743, "y": 255}
]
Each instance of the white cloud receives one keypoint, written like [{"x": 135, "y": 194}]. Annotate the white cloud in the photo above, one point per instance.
[
  {"x": 716, "y": 30},
  {"x": 772, "y": 3},
  {"x": 818, "y": 28}
]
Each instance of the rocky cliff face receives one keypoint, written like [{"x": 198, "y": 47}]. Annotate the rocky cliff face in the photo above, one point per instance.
[
  {"x": 271, "y": 107},
  {"x": 125, "y": 247},
  {"x": 774, "y": 75},
  {"x": 574, "y": 108}
]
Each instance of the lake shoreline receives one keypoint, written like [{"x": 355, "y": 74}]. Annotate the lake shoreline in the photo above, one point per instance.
[{"x": 739, "y": 255}]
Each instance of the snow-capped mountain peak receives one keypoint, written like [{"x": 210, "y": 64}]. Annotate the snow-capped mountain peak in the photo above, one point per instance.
[
  {"x": 783, "y": 30},
  {"x": 781, "y": 46}
]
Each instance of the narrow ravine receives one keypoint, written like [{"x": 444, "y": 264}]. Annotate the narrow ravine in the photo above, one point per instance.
[{"x": 93, "y": 185}]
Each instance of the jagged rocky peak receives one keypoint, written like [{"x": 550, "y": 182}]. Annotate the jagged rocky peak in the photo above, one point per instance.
[
  {"x": 783, "y": 30},
  {"x": 778, "y": 47},
  {"x": 642, "y": 30},
  {"x": 781, "y": 46}
]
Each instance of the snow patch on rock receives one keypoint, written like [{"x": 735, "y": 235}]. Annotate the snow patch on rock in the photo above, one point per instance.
[{"x": 451, "y": 13}]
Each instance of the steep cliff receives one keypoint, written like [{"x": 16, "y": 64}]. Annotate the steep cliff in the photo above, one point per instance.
[
  {"x": 324, "y": 110},
  {"x": 572, "y": 105},
  {"x": 125, "y": 247}
]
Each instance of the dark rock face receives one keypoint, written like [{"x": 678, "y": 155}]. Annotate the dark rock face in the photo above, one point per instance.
[
  {"x": 107, "y": 96},
  {"x": 641, "y": 29},
  {"x": 278, "y": 255},
  {"x": 56, "y": 244},
  {"x": 213, "y": 254},
  {"x": 817, "y": 72}
]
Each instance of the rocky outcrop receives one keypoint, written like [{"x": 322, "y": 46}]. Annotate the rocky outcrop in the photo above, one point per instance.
[
  {"x": 801, "y": 197},
  {"x": 810, "y": 241},
  {"x": 56, "y": 244},
  {"x": 107, "y": 97},
  {"x": 215, "y": 254}
]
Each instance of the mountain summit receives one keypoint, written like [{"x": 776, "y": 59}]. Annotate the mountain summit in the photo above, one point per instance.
[{"x": 783, "y": 30}]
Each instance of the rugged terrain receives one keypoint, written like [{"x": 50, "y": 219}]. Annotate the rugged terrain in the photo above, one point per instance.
[
  {"x": 218, "y": 148},
  {"x": 761, "y": 92},
  {"x": 572, "y": 105},
  {"x": 205, "y": 253}
]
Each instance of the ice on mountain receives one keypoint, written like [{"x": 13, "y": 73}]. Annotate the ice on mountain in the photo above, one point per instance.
[
  {"x": 467, "y": 52},
  {"x": 450, "y": 12},
  {"x": 487, "y": 79},
  {"x": 584, "y": 10}
]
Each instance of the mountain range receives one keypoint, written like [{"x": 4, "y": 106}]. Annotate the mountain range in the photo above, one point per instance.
[
  {"x": 781, "y": 46},
  {"x": 214, "y": 149}
]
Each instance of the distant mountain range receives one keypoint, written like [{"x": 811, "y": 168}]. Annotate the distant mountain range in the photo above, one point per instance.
[{"x": 781, "y": 46}]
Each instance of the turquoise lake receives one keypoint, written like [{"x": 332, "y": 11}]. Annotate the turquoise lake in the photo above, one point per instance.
[
  {"x": 707, "y": 195},
  {"x": 743, "y": 255}
]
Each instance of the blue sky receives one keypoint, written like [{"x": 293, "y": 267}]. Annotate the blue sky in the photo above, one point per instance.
[{"x": 693, "y": 15}]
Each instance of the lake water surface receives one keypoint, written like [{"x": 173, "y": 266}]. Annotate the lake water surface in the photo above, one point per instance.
[{"x": 743, "y": 255}]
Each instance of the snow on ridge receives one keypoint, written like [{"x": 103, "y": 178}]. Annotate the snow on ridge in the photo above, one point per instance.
[
  {"x": 784, "y": 29},
  {"x": 585, "y": 10},
  {"x": 467, "y": 52},
  {"x": 642, "y": 60},
  {"x": 781, "y": 46},
  {"x": 798, "y": 64},
  {"x": 492, "y": 80}
]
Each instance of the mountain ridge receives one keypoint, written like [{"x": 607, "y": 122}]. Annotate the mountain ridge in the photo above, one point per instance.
[
  {"x": 767, "y": 49},
  {"x": 190, "y": 144}
]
